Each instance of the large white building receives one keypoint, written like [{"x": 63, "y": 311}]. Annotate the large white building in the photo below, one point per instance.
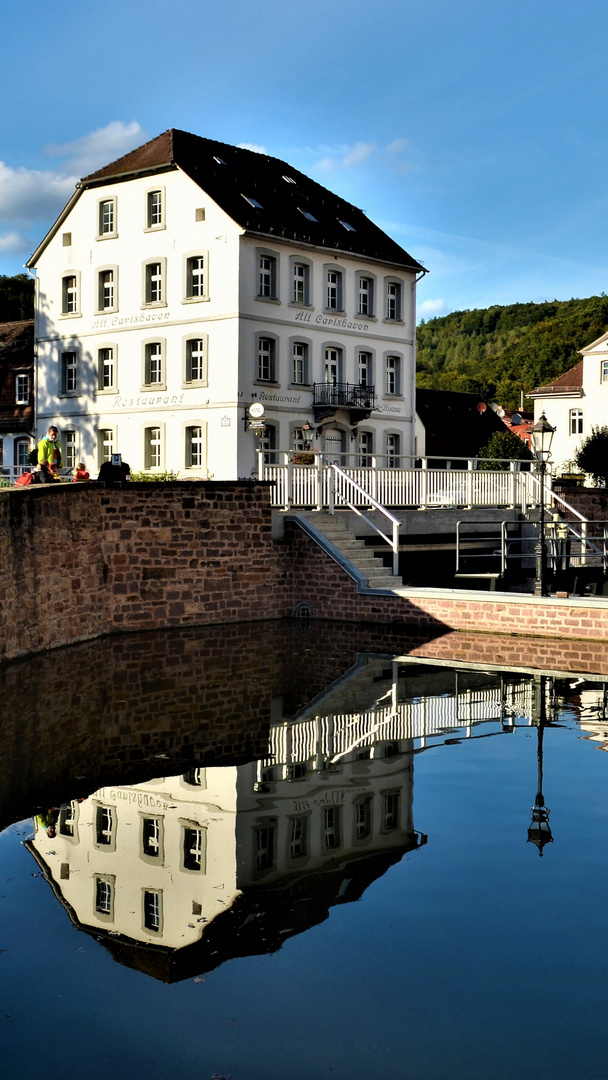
[{"x": 190, "y": 279}]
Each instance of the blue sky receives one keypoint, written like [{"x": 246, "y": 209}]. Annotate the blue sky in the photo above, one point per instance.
[{"x": 472, "y": 131}]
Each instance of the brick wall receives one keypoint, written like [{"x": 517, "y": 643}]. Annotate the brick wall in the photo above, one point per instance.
[{"x": 592, "y": 503}]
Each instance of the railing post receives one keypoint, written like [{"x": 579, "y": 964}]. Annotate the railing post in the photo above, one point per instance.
[
  {"x": 319, "y": 481},
  {"x": 260, "y": 457},
  {"x": 512, "y": 485},
  {"x": 395, "y": 548},
  {"x": 332, "y": 489},
  {"x": 470, "y": 464},
  {"x": 374, "y": 479},
  {"x": 424, "y": 493},
  {"x": 289, "y": 481}
]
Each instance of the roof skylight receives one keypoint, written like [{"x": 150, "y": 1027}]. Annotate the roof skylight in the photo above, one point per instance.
[
  {"x": 253, "y": 202},
  {"x": 219, "y": 160},
  {"x": 289, "y": 179},
  {"x": 307, "y": 214},
  {"x": 347, "y": 225}
]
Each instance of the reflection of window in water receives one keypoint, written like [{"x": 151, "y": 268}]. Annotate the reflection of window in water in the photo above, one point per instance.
[
  {"x": 298, "y": 837},
  {"x": 196, "y": 778},
  {"x": 391, "y": 749},
  {"x": 152, "y": 910},
  {"x": 363, "y": 755},
  {"x": 296, "y": 771},
  {"x": 104, "y": 824},
  {"x": 331, "y": 826},
  {"x": 267, "y": 775},
  {"x": 67, "y": 819},
  {"x": 103, "y": 897},
  {"x": 151, "y": 836},
  {"x": 264, "y": 847},
  {"x": 391, "y": 811},
  {"x": 194, "y": 845},
  {"x": 363, "y": 818}
]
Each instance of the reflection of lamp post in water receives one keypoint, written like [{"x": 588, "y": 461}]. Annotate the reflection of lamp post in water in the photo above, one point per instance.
[
  {"x": 539, "y": 832},
  {"x": 542, "y": 434}
]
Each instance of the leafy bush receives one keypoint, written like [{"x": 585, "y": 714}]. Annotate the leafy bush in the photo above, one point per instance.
[
  {"x": 592, "y": 455},
  {"x": 503, "y": 444},
  {"x": 154, "y": 477}
]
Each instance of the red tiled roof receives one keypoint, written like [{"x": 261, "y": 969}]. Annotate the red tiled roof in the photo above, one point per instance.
[{"x": 570, "y": 380}]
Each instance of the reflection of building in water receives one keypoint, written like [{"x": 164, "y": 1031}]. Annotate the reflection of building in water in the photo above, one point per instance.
[
  {"x": 178, "y": 874},
  {"x": 592, "y": 714}
]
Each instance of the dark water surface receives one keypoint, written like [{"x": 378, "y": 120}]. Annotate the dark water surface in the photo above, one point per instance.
[{"x": 270, "y": 851}]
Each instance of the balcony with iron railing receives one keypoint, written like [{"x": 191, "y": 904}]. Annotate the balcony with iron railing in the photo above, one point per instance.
[{"x": 328, "y": 397}]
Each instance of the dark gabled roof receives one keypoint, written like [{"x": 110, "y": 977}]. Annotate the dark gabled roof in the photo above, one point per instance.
[
  {"x": 454, "y": 426},
  {"x": 17, "y": 335},
  {"x": 240, "y": 175},
  {"x": 571, "y": 380}
]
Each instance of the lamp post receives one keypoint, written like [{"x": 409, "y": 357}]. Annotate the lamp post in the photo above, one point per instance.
[
  {"x": 539, "y": 831},
  {"x": 542, "y": 436}
]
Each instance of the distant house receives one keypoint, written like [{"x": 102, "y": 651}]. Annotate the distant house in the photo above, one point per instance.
[
  {"x": 576, "y": 401},
  {"x": 519, "y": 423},
  {"x": 16, "y": 393},
  {"x": 451, "y": 425}
]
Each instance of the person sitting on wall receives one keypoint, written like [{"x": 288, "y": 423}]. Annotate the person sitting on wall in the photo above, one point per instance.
[
  {"x": 114, "y": 472},
  {"x": 80, "y": 473},
  {"x": 45, "y": 475},
  {"x": 49, "y": 451}
]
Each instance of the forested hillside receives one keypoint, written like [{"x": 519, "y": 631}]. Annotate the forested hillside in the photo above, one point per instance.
[
  {"x": 497, "y": 352},
  {"x": 16, "y": 298}
]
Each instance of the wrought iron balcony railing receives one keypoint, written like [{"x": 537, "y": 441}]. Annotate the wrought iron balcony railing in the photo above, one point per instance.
[{"x": 344, "y": 395}]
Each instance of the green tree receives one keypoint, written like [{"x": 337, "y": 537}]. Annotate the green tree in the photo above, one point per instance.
[
  {"x": 501, "y": 445},
  {"x": 592, "y": 455}
]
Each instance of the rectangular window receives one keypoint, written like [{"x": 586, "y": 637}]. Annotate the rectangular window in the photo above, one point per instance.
[
  {"x": 365, "y": 449},
  {"x": 266, "y": 359},
  {"x": 103, "y": 897},
  {"x": 153, "y": 443},
  {"x": 267, "y": 277},
  {"x": 194, "y": 849},
  {"x": 393, "y": 375},
  {"x": 69, "y": 373},
  {"x": 393, "y": 300},
  {"x": 331, "y": 827},
  {"x": 150, "y": 837},
  {"x": 196, "y": 778},
  {"x": 22, "y": 455},
  {"x": 604, "y": 371},
  {"x": 106, "y": 295},
  {"x": 268, "y": 443},
  {"x": 67, "y": 819},
  {"x": 576, "y": 421},
  {"x": 297, "y": 838},
  {"x": 299, "y": 372},
  {"x": 106, "y": 444},
  {"x": 152, "y": 910},
  {"x": 333, "y": 365},
  {"x": 22, "y": 390},
  {"x": 69, "y": 295},
  {"x": 195, "y": 277},
  {"x": 264, "y": 847},
  {"x": 69, "y": 443},
  {"x": 107, "y": 217},
  {"x": 154, "y": 363},
  {"x": 392, "y": 451},
  {"x": 106, "y": 377},
  {"x": 334, "y": 290},
  {"x": 366, "y": 296},
  {"x": 155, "y": 293},
  {"x": 104, "y": 825},
  {"x": 155, "y": 209},
  {"x": 195, "y": 360},
  {"x": 194, "y": 447},
  {"x": 301, "y": 283},
  {"x": 363, "y": 819},
  {"x": 365, "y": 369},
  {"x": 391, "y": 811}
]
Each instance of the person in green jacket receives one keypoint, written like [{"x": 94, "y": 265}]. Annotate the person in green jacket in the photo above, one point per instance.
[{"x": 49, "y": 451}]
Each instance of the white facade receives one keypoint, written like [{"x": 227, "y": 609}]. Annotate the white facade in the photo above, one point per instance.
[{"x": 160, "y": 319}]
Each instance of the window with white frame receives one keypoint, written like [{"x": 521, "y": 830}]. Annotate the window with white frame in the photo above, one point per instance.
[
  {"x": 151, "y": 837},
  {"x": 267, "y": 277},
  {"x": 298, "y": 847},
  {"x": 104, "y": 896},
  {"x": 576, "y": 421},
  {"x": 68, "y": 814},
  {"x": 107, "y": 217},
  {"x": 266, "y": 360},
  {"x": 153, "y": 910},
  {"x": 154, "y": 209},
  {"x": 153, "y": 363},
  {"x": 105, "y": 824},
  {"x": 196, "y": 778},
  {"x": 196, "y": 288},
  {"x": 301, "y": 440},
  {"x": 363, "y": 818},
  {"x": 22, "y": 452},
  {"x": 393, "y": 450},
  {"x": 604, "y": 371},
  {"x": 153, "y": 447},
  {"x": 194, "y": 447},
  {"x": 332, "y": 369},
  {"x": 268, "y": 445},
  {"x": 264, "y": 846},
  {"x": 22, "y": 389},
  {"x": 106, "y": 368},
  {"x": 333, "y": 295},
  {"x": 196, "y": 360},
  {"x": 301, "y": 283},
  {"x": 69, "y": 294},
  {"x": 69, "y": 445},
  {"x": 365, "y": 299},
  {"x": 393, "y": 301},
  {"x": 299, "y": 363},
  {"x": 194, "y": 848},
  {"x": 365, "y": 447},
  {"x": 391, "y": 811},
  {"x": 106, "y": 290},
  {"x": 331, "y": 827},
  {"x": 105, "y": 443},
  {"x": 69, "y": 373},
  {"x": 393, "y": 375},
  {"x": 364, "y": 369},
  {"x": 154, "y": 288}
]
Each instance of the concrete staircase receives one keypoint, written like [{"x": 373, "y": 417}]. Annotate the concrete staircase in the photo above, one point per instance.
[{"x": 339, "y": 530}]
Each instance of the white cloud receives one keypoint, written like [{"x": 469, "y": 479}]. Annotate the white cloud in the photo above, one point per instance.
[
  {"x": 431, "y": 308},
  {"x": 252, "y": 146},
  {"x": 27, "y": 195},
  {"x": 346, "y": 158},
  {"x": 12, "y": 241},
  {"x": 85, "y": 155},
  {"x": 398, "y": 145}
]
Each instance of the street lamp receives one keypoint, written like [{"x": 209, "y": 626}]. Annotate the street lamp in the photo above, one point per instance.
[
  {"x": 539, "y": 831},
  {"x": 542, "y": 436}
]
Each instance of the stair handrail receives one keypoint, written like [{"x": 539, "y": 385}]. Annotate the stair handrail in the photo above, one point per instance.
[{"x": 393, "y": 543}]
